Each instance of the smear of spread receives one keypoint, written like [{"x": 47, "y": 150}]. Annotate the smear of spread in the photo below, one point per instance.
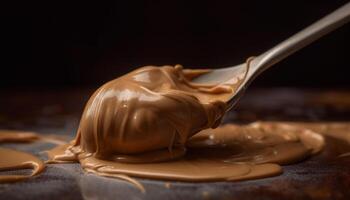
[
  {"x": 13, "y": 160},
  {"x": 17, "y": 136}
]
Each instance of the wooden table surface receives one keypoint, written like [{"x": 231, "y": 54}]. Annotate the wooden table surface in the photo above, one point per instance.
[{"x": 58, "y": 112}]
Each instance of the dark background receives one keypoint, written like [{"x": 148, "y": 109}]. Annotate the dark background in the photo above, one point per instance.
[{"x": 81, "y": 44}]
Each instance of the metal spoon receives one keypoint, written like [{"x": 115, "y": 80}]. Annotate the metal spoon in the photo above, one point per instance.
[{"x": 262, "y": 62}]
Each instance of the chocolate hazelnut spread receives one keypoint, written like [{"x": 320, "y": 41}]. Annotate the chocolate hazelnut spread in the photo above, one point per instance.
[
  {"x": 12, "y": 159},
  {"x": 155, "y": 123},
  {"x": 148, "y": 115},
  {"x": 17, "y": 136},
  {"x": 146, "y": 124},
  {"x": 230, "y": 152}
]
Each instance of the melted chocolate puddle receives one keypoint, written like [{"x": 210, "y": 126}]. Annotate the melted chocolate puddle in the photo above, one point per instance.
[{"x": 229, "y": 152}]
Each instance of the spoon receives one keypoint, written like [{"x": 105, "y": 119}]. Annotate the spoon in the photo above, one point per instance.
[{"x": 262, "y": 62}]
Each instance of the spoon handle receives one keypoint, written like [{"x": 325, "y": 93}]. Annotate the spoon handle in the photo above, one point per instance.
[{"x": 311, "y": 33}]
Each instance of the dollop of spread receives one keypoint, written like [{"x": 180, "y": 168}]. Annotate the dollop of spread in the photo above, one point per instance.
[
  {"x": 156, "y": 123},
  {"x": 149, "y": 114}
]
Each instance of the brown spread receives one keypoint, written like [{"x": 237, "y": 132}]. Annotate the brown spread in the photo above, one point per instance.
[
  {"x": 148, "y": 115},
  {"x": 230, "y": 152},
  {"x": 155, "y": 123},
  {"x": 144, "y": 124},
  {"x": 12, "y": 159},
  {"x": 17, "y": 136}
]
